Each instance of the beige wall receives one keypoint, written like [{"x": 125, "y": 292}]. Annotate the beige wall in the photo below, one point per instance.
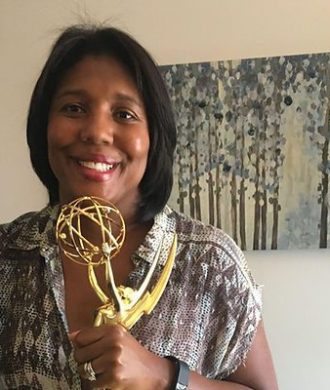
[
  {"x": 175, "y": 31},
  {"x": 178, "y": 31}
]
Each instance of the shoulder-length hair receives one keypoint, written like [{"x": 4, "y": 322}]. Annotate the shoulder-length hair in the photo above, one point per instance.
[{"x": 73, "y": 45}]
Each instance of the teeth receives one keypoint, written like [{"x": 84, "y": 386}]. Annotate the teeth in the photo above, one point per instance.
[{"x": 101, "y": 167}]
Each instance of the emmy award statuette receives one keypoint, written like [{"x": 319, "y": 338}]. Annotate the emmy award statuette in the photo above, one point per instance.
[{"x": 120, "y": 305}]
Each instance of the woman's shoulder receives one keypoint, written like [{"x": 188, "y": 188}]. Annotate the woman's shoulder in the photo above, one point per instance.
[
  {"x": 203, "y": 237},
  {"x": 208, "y": 247},
  {"x": 11, "y": 230},
  {"x": 23, "y": 228}
]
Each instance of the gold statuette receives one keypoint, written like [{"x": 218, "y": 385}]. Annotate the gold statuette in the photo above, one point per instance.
[{"x": 122, "y": 305}]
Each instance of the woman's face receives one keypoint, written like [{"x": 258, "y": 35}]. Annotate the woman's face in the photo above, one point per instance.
[{"x": 98, "y": 139}]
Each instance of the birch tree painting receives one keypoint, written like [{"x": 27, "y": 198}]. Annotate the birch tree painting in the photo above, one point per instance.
[{"x": 253, "y": 148}]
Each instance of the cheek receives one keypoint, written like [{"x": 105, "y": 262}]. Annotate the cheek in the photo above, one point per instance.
[
  {"x": 55, "y": 133},
  {"x": 60, "y": 133},
  {"x": 141, "y": 145},
  {"x": 52, "y": 142},
  {"x": 52, "y": 155},
  {"x": 55, "y": 141}
]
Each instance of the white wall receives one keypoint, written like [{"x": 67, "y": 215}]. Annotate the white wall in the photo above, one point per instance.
[
  {"x": 177, "y": 31},
  {"x": 296, "y": 301}
]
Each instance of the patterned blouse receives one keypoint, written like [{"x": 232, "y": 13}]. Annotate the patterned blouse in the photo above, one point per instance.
[{"x": 207, "y": 315}]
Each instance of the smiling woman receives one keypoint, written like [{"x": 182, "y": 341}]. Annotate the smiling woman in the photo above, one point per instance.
[{"x": 101, "y": 125}]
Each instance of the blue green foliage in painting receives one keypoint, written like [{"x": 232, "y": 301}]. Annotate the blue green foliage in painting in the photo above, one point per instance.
[{"x": 253, "y": 148}]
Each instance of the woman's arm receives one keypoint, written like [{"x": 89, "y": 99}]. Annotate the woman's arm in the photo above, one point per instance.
[
  {"x": 257, "y": 373},
  {"x": 121, "y": 362}
]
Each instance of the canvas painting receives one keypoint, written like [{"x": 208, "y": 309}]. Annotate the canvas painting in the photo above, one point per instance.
[{"x": 253, "y": 148}]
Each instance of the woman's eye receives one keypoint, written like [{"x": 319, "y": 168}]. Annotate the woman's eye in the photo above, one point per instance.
[
  {"x": 124, "y": 115},
  {"x": 73, "y": 109}
]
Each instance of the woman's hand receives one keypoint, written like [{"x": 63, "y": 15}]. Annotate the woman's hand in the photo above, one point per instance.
[{"x": 120, "y": 362}]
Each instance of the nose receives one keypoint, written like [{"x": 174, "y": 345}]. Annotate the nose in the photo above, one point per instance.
[{"x": 98, "y": 129}]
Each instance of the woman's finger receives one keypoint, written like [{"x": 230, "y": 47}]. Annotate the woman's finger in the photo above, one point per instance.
[
  {"x": 89, "y": 352},
  {"x": 107, "y": 369},
  {"x": 88, "y": 336}
]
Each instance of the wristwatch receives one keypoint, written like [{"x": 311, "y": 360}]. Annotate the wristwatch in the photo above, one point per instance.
[{"x": 181, "y": 379}]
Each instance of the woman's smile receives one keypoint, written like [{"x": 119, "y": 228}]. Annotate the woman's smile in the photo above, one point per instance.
[
  {"x": 96, "y": 171},
  {"x": 96, "y": 167}
]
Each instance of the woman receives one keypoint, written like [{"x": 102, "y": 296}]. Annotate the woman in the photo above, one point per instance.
[{"x": 100, "y": 124}]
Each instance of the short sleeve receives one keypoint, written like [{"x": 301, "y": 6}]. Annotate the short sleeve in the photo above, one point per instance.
[{"x": 235, "y": 316}]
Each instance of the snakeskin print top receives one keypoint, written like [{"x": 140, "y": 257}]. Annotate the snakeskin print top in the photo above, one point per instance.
[{"x": 207, "y": 315}]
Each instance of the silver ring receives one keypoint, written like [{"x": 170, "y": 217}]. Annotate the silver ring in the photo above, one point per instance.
[{"x": 89, "y": 371}]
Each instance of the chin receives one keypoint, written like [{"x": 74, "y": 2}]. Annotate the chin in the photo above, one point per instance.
[{"x": 69, "y": 196}]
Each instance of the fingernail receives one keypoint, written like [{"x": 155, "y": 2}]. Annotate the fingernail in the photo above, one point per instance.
[{"x": 72, "y": 335}]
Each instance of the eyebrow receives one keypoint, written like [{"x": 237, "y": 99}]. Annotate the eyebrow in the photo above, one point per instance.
[
  {"x": 120, "y": 96},
  {"x": 70, "y": 92},
  {"x": 128, "y": 98}
]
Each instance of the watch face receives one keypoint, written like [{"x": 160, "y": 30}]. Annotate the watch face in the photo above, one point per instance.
[{"x": 179, "y": 386}]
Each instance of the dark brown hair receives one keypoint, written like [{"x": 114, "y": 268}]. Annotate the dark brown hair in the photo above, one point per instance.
[{"x": 75, "y": 43}]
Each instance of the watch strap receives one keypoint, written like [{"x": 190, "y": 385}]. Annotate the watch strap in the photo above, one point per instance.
[{"x": 181, "y": 378}]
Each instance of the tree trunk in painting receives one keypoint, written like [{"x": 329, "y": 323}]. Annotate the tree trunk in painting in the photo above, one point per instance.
[
  {"x": 256, "y": 215},
  {"x": 242, "y": 197},
  {"x": 181, "y": 202},
  {"x": 277, "y": 156},
  {"x": 181, "y": 190},
  {"x": 218, "y": 196},
  {"x": 234, "y": 206},
  {"x": 191, "y": 190},
  {"x": 324, "y": 197},
  {"x": 256, "y": 233},
  {"x": 211, "y": 199},
  {"x": 210, "y": 177},
  {"x": 198, "y": 213},
  {"x": 242, "y": 215},
  {"x": 264, "y": 212},
  {"x": 275, "y": 219}
]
